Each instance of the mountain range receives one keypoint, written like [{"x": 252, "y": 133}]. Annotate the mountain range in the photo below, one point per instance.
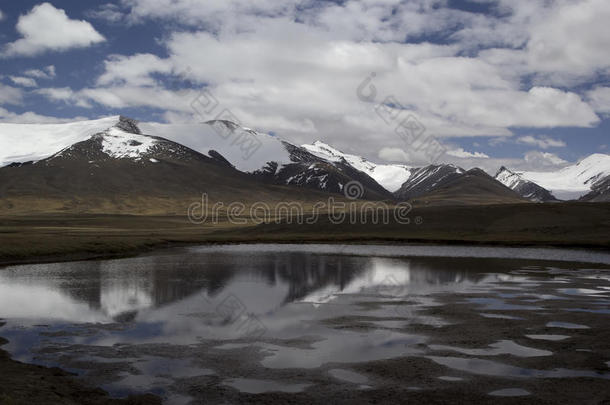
[{"x": 116, "y": 164}]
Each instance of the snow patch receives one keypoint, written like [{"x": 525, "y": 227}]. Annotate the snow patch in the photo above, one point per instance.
[
  {"x": 391, "y": 177},
  {"x": 120, "y": 144},
  {"x": 574, "y": 181},
  {"x": 32, "y": 142},
  {"x": 246, "y": 149}
]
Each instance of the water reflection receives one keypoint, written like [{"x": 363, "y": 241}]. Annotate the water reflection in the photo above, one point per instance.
[
  {"x": 245, "y": 319},
  {"x": 107, "y": 291}
]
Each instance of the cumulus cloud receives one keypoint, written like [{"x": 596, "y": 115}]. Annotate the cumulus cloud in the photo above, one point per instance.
[
  {"x": 30, "y": 117},
  {"x": 48, "y": 72},
  {"x": 23, "y": 81},
  {"x": 600, "y": 99},
  {"x": 543, "y": 142},
  {"x": 108, "y": 12},
  {"x": 536, "y": 160},
  {"x": 134, "y": 70},
  {"x": 394, "y": 155},
  {"x": 302, "y": 68},
  {"x": 46, "y": 28},
  {"x": 461, "y": 153},
  {"x": 10, "y": 95}
]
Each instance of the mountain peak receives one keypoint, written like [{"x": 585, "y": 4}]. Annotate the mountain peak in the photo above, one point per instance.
[
  {"x": 503, "y": 169},
  {"x": 129, "y": 125}
]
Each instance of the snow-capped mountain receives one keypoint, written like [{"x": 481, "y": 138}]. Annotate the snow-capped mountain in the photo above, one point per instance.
[
  {"x": 523, "y": 187},
  {"x": 391, "y": 177},
  {"x": 20, "y": 143},
  {"x": 265, "y": 159},
  {"x": 600, "y": 192},
  {"x": 426, "y": 179},
  {"x": 256, "y": 155},
  {"x": 121, "y": 170},
  {"x": 269, "y": 158},
  {"x": 575, "y": 181}
]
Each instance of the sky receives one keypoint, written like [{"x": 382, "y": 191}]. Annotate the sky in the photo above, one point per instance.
[{"x": 520, "y": 83}]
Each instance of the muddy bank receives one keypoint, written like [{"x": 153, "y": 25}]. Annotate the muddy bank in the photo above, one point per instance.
[{"x": 28, "y": 384}]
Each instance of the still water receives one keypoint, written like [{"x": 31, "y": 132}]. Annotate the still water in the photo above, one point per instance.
[{"x": 228, "y": 323}]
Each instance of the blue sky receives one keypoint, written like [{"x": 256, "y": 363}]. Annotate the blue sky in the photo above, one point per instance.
[{"x": 523, "y": 83}]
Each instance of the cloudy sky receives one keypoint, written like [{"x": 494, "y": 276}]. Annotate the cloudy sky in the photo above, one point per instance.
[{"x": 518, "y": 82}]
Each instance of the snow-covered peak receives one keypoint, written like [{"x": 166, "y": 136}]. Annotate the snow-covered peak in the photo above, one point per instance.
[
  {"x": 508, "y": 178},
  {"x": 244, "y": 148},
  {"x": 391, "y": 177},
  {"x": 574, "y": 181},
  {"x": 119, "y": 144},
  {"x": 31, "y": 142}
]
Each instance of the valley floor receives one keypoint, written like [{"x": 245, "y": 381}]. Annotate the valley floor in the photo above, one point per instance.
[{"x": 41, "y": 238}]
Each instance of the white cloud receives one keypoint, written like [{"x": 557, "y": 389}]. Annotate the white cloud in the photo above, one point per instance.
[
  {"x": 543, "y": 142},
  {"x": 64, "y": 94},
  {"x": 536, "y": 160},
  {"x": 294, "y": 68},
  {"x": 600, "y": 99},
  {"x": 46, "y": 28},
  {"x": 108, "y": 12},
  {"x": 461, "y": 153},
  {"x": 573, "y": 38},
  {"x": 10, "y": 95},
  {"x": 1, "y": 15},
  {"x": 23, "y": 81},
  {"x": 133, "y": 70},
  {"x": 30, "y": 117},
  {"x": 394, "y": 155},
  {"x": 48, "y": 72}
]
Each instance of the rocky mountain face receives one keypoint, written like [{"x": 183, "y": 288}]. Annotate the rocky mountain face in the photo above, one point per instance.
[
  {"x": 271, "y": 159},
  {"x": 525, "y": 188},
  {"x": 451, "y": 185},
  {"x": 426, "y": 179},
  {"x": 600, "y": 191},
  {"x": 126, "y": 164},
  {"x": 121, "y": 170},
  {"x": 310, "y": 171}
]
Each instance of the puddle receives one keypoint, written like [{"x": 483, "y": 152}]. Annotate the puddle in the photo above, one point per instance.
[
  {"x": 496, "y": 304},
  {"x": 450, "y": 379},
  {"x": 510, "y": 392},
  {"x": 500, "y": 316},
  {"x": 233, "y": 346},
  {"x": 492, "y": 368},
  {"x": 566, "y": 325},
  {"x": 604, "y": 311},
  {"x": 342, "y": 347},
  {"x": 580, "y": 291},
  {"x": 253, "y": 386},
  {"x": 153, "y": 323},
  {"x": 390, "y": 324},
  {"x": 348, "y": 376},
  {"x": 552, "y": 338},
  {"x": 498, "y": 348},
  {"x": 174, "y": 368}
]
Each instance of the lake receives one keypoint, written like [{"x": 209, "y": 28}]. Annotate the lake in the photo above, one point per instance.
[{"x": 321, "y": 323}]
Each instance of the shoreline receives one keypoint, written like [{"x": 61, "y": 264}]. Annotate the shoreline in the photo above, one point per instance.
[
  {"x": 25, "y": 383},
  {"x": 120, "y": 254}
]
